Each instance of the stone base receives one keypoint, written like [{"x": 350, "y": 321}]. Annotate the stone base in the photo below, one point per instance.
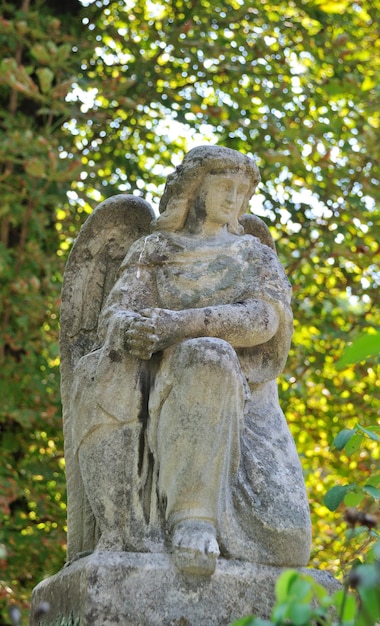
[{"x": 130, "y": 589}]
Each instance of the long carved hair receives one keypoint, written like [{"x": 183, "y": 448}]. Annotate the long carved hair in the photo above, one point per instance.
[{"x": 179, "y": 205}]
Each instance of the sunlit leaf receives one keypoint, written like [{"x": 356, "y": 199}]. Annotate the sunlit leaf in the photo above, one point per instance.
[
  {"x": 365, "y": 346},
  {"x": 353, "y": 498}
]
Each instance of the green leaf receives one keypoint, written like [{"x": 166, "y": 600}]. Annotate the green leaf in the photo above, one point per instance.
[
  {"x": 280, "y": 612},
  {"x": 372, "y": 491},
  {"x": 375, "y": 480},
  {"x": 345, "y": 605},
  {"x": 343, "y": 437},
  {"x": 354, "y": 444},
  {"x": 283, "y": 584},
  {"x": 370, "y": 604},
  {"x": 349, "y": 610},
  {"x": 364, "y": 346},
  {"x": 369, "y": 433},
  {"x": 335, "y": 496},
  {"x": 300, "y": 614},
  {"x": 45, "y": 79},
  {"x": 301, "y": 588},
  {"x": 249, "y": 620},
  {"x": 321, "y": 594},
  {"x": 40, "y": 53},
  {"x": 353, "y": 498}
]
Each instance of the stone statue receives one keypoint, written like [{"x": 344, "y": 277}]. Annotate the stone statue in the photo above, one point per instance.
[{"x": 172, "y": 336}]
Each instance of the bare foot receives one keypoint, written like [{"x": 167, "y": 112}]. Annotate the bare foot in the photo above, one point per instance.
[{"x": 195, "y": 548}]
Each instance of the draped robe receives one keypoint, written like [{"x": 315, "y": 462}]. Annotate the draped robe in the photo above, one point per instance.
[{"x": 205, "y": 435}]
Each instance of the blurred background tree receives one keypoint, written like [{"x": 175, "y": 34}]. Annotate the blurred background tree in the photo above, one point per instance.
[{"x": 104, "y": 97}]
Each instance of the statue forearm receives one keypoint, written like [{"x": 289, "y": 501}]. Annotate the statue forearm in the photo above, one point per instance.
[
  {"x": 243, "y": 325},
  {"x": 147, "y": 331}
]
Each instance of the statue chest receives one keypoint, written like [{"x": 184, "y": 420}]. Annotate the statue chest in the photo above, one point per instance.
[{"x": 193, "y": 280}]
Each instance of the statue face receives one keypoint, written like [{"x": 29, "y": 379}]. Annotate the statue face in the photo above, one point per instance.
[{"x": 224, "y": 195}]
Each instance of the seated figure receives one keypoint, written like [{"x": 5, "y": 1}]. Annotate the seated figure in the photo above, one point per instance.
[{"x": 172, "y": 336}]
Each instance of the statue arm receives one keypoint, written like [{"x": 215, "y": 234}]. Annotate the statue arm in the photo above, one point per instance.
[
  {"x": 132, "y": 311},
  {"x": 243, "y": 325}
]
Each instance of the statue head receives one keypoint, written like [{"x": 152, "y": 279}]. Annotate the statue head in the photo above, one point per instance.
[{"x": 182, "y": 205}]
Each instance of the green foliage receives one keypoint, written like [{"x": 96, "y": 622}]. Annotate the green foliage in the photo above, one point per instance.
[
  {"x": 301, "y": 601},
  {"x": 352, "y": 440},
  {"x": 361, "y": 532},
  {"x": 103, "y": 97},
  {"x": 36, "y": 72}
]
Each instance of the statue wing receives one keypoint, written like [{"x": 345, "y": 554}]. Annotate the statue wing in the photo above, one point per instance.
[
  {"x": 255, "y": 226},
  {"x": 90, "y": 273}
]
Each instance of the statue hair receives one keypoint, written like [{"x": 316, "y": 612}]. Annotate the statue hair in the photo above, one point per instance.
[{"x": 178, "y": 205}]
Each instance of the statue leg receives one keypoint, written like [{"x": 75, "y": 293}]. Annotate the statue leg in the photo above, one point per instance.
[
  {"x": 107, "y": 480},
  {"x": 196, "y": 409}
]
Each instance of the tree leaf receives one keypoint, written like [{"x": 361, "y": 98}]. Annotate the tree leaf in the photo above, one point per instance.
[
  {"x": 335, "y": 496},
  {"x": 354, "y": 444},
  {"x": 372, "y": 491},
  {"x": 45, "y": 79},
  {"x": 372, "y": 435},
  {"x": 365, "y": 346},
  {"x": 353, "y": 498},
  {"x": 300, "y": 614},
  {"x": 343, "y": 437},
  {"x": 283, "y": 584}
]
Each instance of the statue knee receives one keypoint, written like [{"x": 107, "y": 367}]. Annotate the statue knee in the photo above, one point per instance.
[{"x": 209, "y": 351}]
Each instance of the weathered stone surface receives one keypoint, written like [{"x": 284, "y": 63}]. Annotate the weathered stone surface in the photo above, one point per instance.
[
  {"x": 169, "y": 364},
  {"x": 178, "y": 456},
  {"x": 128, "y": 589}
]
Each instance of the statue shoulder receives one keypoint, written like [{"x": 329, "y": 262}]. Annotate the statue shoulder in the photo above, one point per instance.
[
  {"x": 153, "y": 249},
  {"x": 266, "y": 269}
]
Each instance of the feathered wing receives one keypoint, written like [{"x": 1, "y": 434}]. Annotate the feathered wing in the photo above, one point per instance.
[
  {"x": 253, "y": 225},
  {"x": 90, "y": 273}
]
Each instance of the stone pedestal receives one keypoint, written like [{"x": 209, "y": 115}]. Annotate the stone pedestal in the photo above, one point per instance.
[{"x": 129, "y": 589}]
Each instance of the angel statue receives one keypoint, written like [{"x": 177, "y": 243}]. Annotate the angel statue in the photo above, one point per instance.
[{"x": 173, "y": 331}]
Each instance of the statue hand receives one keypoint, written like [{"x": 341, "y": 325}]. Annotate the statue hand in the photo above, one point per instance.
[
  {"x": 140, "y": 338},
  {"x": 152, "y": 331}
]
